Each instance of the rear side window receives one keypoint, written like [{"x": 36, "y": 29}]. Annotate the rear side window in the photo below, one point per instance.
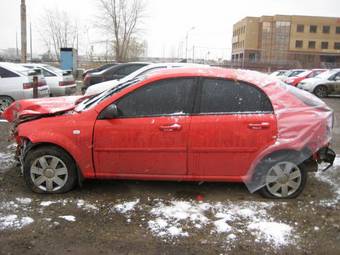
[
  {"x": 4, "y": 73},
  {"x": 126, "y": 70},
  {"x": 227, "y": 96},
  {"x": 47, "y": 73},
  {"x": 172, "y": 96}
]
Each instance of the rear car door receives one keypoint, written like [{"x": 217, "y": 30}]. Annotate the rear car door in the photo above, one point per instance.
[
  {"x": 150, "y": 136},
  {"x": 233, "y": 122}
]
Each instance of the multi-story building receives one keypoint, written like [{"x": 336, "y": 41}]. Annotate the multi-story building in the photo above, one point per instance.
[{"x": 281, "y": 40}]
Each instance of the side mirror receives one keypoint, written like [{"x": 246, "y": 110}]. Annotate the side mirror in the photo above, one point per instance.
[{"x": 109, "y": 113}]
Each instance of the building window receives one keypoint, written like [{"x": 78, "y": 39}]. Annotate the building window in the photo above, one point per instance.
[
  {"x": 324, "y": 45},
  {"x": 337, "y": 30},
  {"x": 311, "y": 44},
  {"x": 337, "y": 46},
  {"x": 298, "y": 44},
  {"x": 300, "y": 28},
  {"x": 326, "y": 29},
  {"x": 313, "y": 28}
]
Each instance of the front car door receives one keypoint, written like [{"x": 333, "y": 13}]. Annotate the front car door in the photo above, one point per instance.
[
  {"x": 233, "y": 122},
  {"x": 150, "y": 135}
]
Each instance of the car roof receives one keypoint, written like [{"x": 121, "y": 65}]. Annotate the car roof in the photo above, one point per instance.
[{"x": 14, "y": 66}]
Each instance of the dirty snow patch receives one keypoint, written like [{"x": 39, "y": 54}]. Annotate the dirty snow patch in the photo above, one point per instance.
[
  {"x": 6, "y": 160},
  {"x": 271, "y": 232},
  {"x": 47, "y": 203},
  {"x": 86, "y": 206},
  {"x": 331, "y": 177},
  {"x": 68, "y": 218},
  {"x": 126, "y": 207},
  {"x": 12, "y": 221},
  {"x": 25, "y": 201}
]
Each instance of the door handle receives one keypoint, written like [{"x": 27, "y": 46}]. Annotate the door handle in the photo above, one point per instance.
[
  {"x": 257, "y": 126},
  {"x": 170, "y": 128}
]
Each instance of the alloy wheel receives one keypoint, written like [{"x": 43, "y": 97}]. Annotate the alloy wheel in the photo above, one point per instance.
[
  {"x": 283, "y": 179},
  {"x": 5, "y": 102},
  {"x": 49, "y": 173}
]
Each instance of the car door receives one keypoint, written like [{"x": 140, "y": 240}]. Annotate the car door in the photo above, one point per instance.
[
  {"x": 335, "y": 81},
  {"x": 233, "y": 122},
  {"x": 150, "y": 135}
]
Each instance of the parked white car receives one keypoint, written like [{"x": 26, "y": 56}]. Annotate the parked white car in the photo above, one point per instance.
[
  {"x": 16, "y": 82},
  {"x": 323, "y": 84},
  {"x": 60, "y": 82},
  {"x": 100, "y": 87}
]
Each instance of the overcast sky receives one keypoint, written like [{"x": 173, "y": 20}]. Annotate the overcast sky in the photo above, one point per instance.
[{"x": 167, "y": 23}]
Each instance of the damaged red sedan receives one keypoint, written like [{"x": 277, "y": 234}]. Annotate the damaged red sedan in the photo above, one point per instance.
[{"x": 198, "y": 124}]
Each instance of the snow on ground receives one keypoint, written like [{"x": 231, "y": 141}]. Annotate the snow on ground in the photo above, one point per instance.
[
  {"x": 68, "y": 217},
  {"x": 6, "y": 160},
  {"x": 126, "y": 207},
  {"x": 233, "y": 220},
  {"x": 12, "y": 221},
  {"x": 332, "y": 178}
]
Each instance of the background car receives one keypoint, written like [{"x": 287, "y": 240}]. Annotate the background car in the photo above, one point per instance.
[
  {"x": 100, "y": 87},
  {"x": 188, "y": 124},
  {"x": 323, "y": 84},
  {"x": 278, "y": 73},
  {"x": 16, "y": 82},
  {"x": 60, "y": 82},
  {"x": 295, "y": 80},
  {"x": 98, "y": 69},
  {"x": 112, "y": 73},
  {"x": 290, "y": 73}
]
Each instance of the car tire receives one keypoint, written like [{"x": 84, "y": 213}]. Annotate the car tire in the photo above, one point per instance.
[
  {"x": 321, "y": 91},
  {"x": 5, "y": 101},
  {"x": 49, "y": 169},
  {"x": 283, "y": 177}
]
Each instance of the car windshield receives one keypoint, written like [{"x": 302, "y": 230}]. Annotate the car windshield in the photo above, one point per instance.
[
  {"x": 326, "y": 74},
  {"x": 294, "y": 73},
  {"x": 53, "y": 69},
  {"x": 303, "y": 74},
  {"x": 96, "y": 99}
]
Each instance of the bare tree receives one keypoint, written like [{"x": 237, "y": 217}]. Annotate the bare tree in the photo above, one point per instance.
[
  {"x": 121, "y": 20},
  {"x": 58, "y": 31}
]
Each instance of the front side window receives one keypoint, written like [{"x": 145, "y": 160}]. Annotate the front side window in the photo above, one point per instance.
[
  {"x": 227, "y": 96},
  {"x": 165, "y": 97},
  {"x": 4, "y": 73}
]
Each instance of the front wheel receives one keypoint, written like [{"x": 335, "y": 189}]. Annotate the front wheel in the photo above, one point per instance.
[
  {"x": 5, "y": 101},
  {"x": 49, "y": 169},
  {"x": 284, "y": 179},
  {"x": 321, "y": 91}
]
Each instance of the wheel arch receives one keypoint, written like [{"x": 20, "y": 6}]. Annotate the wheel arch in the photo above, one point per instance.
[{"x": 33, "y": 146}]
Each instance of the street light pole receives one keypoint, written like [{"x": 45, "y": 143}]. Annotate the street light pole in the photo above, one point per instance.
[
  {"x": 23, "y": 32},
  {"x": 186, "y": 42}
]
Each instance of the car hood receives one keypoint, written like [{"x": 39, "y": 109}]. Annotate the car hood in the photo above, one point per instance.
[{"x": 30, "y": 109}]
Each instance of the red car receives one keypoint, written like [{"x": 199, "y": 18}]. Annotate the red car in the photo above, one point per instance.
[
  {"x": 295, "y": 80},
  {"x": 198, "y": 124}
]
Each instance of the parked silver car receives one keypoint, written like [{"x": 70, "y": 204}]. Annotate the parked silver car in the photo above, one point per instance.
[
  {"x": 60, "y": 82},
  {"x": 16, "y": 82}
]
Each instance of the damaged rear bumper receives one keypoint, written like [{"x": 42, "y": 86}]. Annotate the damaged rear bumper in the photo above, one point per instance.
[{"x": 326, "y": 155}]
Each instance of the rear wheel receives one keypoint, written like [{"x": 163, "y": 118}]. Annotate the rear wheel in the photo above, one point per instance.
[
  {"x": 283, "y": 179},
  {"x": 49, "y": 169},
  {"x": 5, "y": 101},
  {"x": 321, "y": 91}
]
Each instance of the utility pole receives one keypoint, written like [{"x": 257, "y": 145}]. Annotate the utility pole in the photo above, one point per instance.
[
  {"x": 31, "y": 50},
  {"x": 186, "y": 42},
  {"x": 23, "y": 32},
  {"x": 16, "y": 44}
]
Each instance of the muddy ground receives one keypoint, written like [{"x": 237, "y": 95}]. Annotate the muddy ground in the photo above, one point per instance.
[{"x": 132, "y": 217}]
